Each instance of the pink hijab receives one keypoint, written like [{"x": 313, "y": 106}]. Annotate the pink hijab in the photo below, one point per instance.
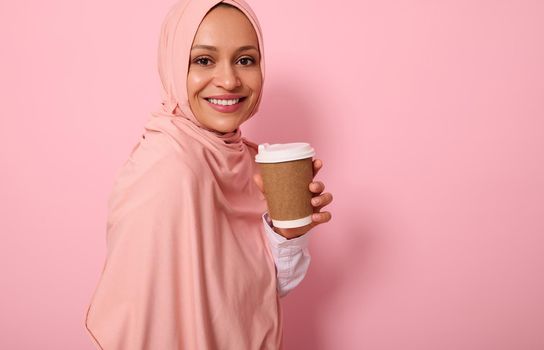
[{"x": 187, "y": 265}]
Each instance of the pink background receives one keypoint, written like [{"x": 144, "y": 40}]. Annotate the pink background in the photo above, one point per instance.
[{"x": 429, "y": 116}]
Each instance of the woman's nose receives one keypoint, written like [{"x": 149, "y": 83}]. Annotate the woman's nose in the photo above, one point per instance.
[{"x": 227, "y": 77}]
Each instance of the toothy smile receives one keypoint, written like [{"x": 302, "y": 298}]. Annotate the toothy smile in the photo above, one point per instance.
[{"x": 223, "y": 102}]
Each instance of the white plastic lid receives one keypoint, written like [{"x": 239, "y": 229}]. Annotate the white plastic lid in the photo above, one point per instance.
[{"x": 283, "y": 152}]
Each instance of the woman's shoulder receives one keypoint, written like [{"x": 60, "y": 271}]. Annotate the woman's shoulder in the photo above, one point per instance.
[
  {"x": 154, "y": 159},
  {"x": 155, "y": 175}
]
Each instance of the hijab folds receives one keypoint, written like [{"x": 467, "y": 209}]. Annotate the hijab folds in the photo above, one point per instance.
[{"x": 187, "y": 262}]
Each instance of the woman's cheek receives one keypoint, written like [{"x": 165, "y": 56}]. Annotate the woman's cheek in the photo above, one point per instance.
[
  {"x": 195, "y": 82},
  {"x": 257, "y": 80}
]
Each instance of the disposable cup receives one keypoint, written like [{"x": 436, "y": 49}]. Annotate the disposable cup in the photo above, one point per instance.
[{"x": 287, "y": 171}]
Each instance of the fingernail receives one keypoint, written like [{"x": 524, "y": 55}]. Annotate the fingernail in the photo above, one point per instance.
[{"x": 315, "y": 201}]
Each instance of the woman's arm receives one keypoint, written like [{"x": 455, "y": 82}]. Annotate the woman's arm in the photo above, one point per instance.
[
  {"x": 291, "y": 257},
  {"x": 140, "y": 299}
]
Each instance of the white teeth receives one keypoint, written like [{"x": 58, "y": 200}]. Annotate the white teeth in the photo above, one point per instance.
[{"x": 223, "y": 102}]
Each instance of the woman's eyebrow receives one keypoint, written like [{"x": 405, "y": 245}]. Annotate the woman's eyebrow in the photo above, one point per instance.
[{"x": 213, "y": 48}]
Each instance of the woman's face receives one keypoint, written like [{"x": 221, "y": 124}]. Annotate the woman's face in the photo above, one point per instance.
[{"x": 224, "y": 79}]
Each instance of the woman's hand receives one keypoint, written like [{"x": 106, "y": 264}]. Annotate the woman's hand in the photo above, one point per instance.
[{"x": 319, "y": 201}]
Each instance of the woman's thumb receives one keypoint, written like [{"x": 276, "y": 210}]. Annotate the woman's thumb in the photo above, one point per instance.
[{"x": 259, "y": 182}]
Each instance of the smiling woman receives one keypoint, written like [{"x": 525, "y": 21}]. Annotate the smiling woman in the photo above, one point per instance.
[
  {"x": 224, "y": 80},
  {"x": 193, "y": 261}
]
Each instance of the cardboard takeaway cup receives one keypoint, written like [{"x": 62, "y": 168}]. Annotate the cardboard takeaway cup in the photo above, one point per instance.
[{"x": 287, "y": 171}]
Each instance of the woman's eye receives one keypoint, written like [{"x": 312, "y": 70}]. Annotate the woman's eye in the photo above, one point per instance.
[
  {"x": 244, "y": 61},
  {"x": 203, "y": 61}
]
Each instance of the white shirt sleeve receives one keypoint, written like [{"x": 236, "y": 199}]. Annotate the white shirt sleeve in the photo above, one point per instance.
[{"x": 291, "y": 256}]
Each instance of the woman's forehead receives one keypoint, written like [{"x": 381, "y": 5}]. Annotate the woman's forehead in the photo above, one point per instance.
[{"x": 225, "y": 27}]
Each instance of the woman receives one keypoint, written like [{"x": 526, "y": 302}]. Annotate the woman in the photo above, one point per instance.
[{"x": 192, "y": 262}]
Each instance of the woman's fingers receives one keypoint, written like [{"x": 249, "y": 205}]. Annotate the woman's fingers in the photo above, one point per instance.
[
  {"x": 322, "y": 217},
  {"x": 317, "y": 186},
  {"x": 318, "y": 164},
  {"x": 322, "y": 200}
]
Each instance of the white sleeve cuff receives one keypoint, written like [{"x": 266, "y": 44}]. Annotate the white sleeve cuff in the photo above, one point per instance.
[
  {"x": 277, "y": 240},
  {"x": 291, "y": 257}
]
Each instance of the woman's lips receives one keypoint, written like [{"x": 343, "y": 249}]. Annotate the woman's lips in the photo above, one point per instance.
[{"x": 226, "y": 109}]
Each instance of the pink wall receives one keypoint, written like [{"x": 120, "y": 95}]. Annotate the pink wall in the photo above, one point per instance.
[{"x": 429, "y": 116}]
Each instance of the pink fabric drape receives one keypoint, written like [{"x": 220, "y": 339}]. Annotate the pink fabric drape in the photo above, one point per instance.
[{"x": 187, "y": 265}]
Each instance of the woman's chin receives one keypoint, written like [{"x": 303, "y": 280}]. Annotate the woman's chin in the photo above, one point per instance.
[
  {"x": 223, "y": 129},
  {"x": 222, "y": 123}
]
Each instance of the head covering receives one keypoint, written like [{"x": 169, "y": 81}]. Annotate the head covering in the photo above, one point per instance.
[
  {"x": 177, "y": 35},
  {"x": 187, "y": 264}
]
